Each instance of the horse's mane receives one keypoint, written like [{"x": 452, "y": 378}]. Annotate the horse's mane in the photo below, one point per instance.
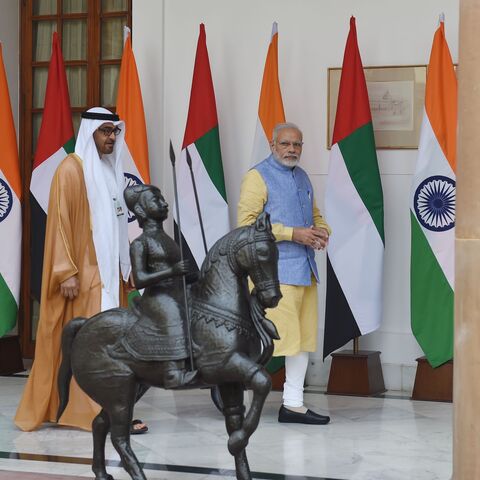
[{"x": 221, "y": 247}]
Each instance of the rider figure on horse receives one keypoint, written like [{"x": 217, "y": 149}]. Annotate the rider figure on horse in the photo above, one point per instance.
[{"x": 159, "y": 334}]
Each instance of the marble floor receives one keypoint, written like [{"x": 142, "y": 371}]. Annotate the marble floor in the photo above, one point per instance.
[{"x": 382, "y": 438}]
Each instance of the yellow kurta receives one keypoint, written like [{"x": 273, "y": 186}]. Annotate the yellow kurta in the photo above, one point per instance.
[
  {"x": 69, "y": 250},
  {"x": 296, "y": 315}
]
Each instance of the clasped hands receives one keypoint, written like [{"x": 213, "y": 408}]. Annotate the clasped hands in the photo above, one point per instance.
[{"x": 314, "y": 237}]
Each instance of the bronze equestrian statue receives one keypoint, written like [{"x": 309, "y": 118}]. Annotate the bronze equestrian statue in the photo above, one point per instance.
[{"x": 117, "y": 355}]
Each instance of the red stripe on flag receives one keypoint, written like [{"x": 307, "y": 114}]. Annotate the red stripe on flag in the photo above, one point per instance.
[
  {"x": 202, "y": 113},
  {"x": 56, "y": 128},
  {"x": 353, "y": 109}
]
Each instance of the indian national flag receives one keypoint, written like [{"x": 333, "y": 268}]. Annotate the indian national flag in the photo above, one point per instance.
[
  {"x": 203, "y": 144},
  {"x": 10, "y": 211},
  {"x": 130, "y": 109},
  {"x": 270, "y": 105},
  {"x": 55, "y": 141},
  {"x": 354, "y": 210},
  {"x": 432, "y": 210}
]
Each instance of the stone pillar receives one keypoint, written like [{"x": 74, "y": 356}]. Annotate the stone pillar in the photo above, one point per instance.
[{"x": 466, "y": 389}]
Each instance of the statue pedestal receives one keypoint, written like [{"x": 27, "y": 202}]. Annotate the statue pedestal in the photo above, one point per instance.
[
  {"x": 10, "y": 355},
  {"x": 356, "y": 373},
  {"x": 433, "y": 384}
]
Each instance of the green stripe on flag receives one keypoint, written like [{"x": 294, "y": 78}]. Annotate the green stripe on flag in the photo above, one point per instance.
[
  {"x": 360, "y": 156},
  {"x": 431, "y": 300},
  {"x": 69, "y": 146},
  {"x": 208, "y": 147},
  {"x": 8, "y": 308}
]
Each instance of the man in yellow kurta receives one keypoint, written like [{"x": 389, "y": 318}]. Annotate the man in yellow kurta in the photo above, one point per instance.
[
  {"x": 86, "y": 262},
  {"x": 281, "y": 188}
]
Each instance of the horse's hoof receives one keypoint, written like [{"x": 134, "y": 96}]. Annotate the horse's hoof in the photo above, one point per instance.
[
  {"x": 237, "y": 442},
  {"x": 106, "y": 476}
]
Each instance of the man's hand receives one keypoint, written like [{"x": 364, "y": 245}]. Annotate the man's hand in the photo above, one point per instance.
[
  {"x": 70, "y": 287},
  {"x": 314, "y": 237}
]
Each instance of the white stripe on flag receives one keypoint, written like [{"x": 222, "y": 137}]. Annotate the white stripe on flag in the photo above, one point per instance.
[
  {"x": 431, "y": 161},
  {"x": 42, "y": 178},
  {"x": 355, "y": 247},
  {"x": 213, "y": 207},
  {"x": 11, "y": 235},
  {"x": 261, "y": 147}
]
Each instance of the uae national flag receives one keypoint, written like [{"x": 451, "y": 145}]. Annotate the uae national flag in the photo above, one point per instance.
[
  {"x": 270, "y": 105},
  {"x": 55, "y": 141},
  {"x": 10, "y": 211},
  {"x": 432, "y": 210},
  {"x": 354, "y": 210},
  {"x": 130, "y": 109},
  {"x": 203, "y": 144}
]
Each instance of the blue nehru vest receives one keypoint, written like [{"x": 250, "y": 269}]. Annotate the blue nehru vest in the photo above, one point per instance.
[{"x": 290, "y": 202}]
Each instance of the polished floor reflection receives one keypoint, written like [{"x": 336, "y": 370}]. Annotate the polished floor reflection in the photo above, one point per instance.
[{"x": 385, "y": 438}]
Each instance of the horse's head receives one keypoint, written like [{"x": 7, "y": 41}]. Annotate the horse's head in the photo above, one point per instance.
[{"x": 258, "y": 258}]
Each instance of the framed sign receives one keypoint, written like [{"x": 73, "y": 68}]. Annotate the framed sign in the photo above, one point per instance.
[{"x": 397, "y": 96}]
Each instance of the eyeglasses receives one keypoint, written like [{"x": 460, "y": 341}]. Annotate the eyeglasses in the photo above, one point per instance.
[
  {"x": 107, "y": 131},
  {"x": 293, "y": 144}
]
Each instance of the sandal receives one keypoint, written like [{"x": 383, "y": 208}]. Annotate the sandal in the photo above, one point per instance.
[{"x": 137, "y": 431}]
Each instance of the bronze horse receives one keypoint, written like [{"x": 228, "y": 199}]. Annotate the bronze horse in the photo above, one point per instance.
[{"x": 232, "y": 341}]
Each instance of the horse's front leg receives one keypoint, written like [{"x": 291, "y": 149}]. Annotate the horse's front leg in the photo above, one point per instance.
[
  {"x": 233, "y": 409},
  {"x": 254, "y": 376},
  {"x": 261, "y": 384}
]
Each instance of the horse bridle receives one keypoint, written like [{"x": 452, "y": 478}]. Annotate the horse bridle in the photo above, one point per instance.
[{"x": 253, "y": 237}]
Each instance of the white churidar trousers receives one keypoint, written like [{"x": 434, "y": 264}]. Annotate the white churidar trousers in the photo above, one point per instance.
[{"x": 295, "y": 371}]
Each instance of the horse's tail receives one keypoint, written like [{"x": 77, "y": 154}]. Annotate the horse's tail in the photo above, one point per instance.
[{"x": 65, "y": 372}]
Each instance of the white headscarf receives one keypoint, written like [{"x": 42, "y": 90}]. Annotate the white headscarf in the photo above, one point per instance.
[{"x": 110, "y": 232}]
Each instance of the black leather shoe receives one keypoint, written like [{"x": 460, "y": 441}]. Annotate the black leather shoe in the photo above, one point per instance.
[{"x": 310, "y": 418}]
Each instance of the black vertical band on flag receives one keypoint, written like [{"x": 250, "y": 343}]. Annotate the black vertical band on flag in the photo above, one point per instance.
[
  {"x": 187, "y": 253},
  {"x": 340, "y": 324},
  {"x": 38, "y": 221}
]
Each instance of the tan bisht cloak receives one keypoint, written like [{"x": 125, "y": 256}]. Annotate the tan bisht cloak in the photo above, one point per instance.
[{"x": 69, "y": 250}]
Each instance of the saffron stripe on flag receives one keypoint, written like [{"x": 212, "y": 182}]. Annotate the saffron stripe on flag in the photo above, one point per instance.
[
  {"x": 270, "y": 104},
  {"x": 135, "y": 158},
  {"x": 10, "y": 210},
  {"x": 432, "y": 210}
]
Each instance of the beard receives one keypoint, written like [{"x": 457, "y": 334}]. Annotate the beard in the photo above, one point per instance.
[{"x": 286, "y": 162}]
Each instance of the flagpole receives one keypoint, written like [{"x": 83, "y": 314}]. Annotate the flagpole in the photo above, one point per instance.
[
  {"x": 177, "y": 208},
  {"x": 355, "y": 346},
  {"x": 197, "y": 203}
]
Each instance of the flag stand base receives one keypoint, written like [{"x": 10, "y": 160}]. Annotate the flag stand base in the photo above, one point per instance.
[
  {"x": 10, "y": 355},
  {"x": 356, "y": 373},
  {"x": 433, "y": 384}
]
